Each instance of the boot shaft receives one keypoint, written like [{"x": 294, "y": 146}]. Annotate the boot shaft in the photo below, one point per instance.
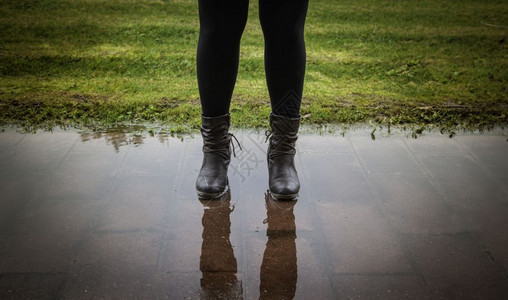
[
  {"x": 283, "y": 135},
  {"x": 215, "y": 133}
]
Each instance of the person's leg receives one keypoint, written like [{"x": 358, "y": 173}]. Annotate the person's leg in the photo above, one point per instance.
[
  {"x": 221, "y": 25},
  {"x": 283, "y": 23}
]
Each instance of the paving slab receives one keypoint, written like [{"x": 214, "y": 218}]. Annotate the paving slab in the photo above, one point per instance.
[
  {"x": 456, "y": 267},
  {"x": 114, "y": 214},
  {"x": 380, "y": 287},
  {"x": 415, "y": 206}
]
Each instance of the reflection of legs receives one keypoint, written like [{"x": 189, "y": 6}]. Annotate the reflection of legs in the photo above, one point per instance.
[
  {"x": 279, "y": 271},
  {"x": 218, "y": 263},
  {"x": 283, "y": 24},
  {"x": 221, "y": 26}
]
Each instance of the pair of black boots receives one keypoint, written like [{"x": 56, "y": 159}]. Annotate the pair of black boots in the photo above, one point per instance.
[{"x": 283, "y": 180}]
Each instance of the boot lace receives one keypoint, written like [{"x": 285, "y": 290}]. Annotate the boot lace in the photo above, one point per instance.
[
  {"x": 283, "y": 146},
  {"x": 268, "y": 134},
  {"x": 219, "y": 148},
  {"x": 233, "y": 144}
]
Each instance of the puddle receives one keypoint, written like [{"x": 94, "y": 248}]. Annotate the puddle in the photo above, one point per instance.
[{"x": 114, "y": 214}]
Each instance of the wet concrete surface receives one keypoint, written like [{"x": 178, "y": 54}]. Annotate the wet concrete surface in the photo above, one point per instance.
[{"x": 115, "y": 215}]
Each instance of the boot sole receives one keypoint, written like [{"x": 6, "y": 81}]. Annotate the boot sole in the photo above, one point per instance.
[
  {"x": 208, "y": 196},
  {"x": 284, "y": 197}
]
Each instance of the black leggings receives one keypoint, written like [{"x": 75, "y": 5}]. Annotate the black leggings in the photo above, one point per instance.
[{"x": 221, "y": 27}]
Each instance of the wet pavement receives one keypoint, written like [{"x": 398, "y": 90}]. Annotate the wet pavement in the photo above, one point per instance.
[{"x": 115, "y": 215}]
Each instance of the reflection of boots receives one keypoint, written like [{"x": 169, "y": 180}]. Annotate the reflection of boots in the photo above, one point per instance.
[
  {"x": 212, "y": 180},
  {"x": 279, "y": 271},
  {"x": 282, "y": 175},
  {"x": 218, "y": 263}
]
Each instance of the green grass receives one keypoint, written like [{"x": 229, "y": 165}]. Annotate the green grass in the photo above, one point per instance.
[{"x": 86, "y": 62}]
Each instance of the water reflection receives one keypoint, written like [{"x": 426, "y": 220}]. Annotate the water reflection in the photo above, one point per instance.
[
  {"x": 218, "y": 265},
  {"x": 217, "y": 262},
  {"x": 123, "y": 135},
  {"x": 279, "y": 271}
]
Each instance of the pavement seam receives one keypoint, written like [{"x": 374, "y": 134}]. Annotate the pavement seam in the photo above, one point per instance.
[
  {"x": 484, "y": 168},
  {"x": 164, "y": 242},
  {"x": 318, "y": 223},
  {"x": 91, "y": 228},
  {"x": 383, "y": 211},
  {"x": 445, "y": 199}
]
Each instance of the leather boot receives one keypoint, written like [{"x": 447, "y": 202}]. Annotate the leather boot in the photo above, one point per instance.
[
  {"x": 212, "y": 181},
  {"x": 282, "y": 176}
]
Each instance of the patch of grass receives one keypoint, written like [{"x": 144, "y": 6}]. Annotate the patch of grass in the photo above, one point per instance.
[{"x": 87, "y": 62}]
